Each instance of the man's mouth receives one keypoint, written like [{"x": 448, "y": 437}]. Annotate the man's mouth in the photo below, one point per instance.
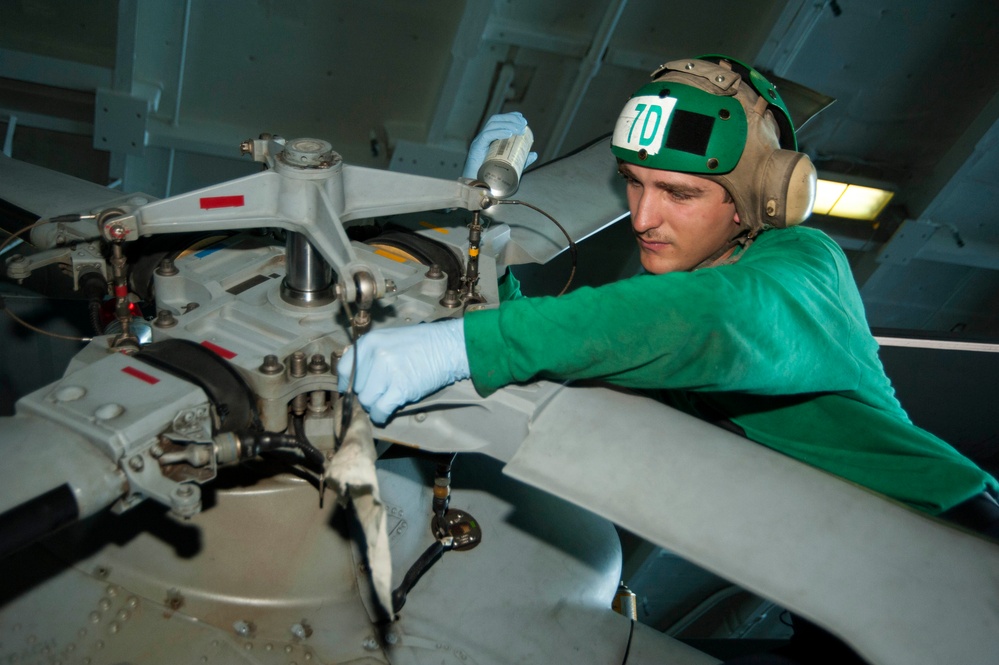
[{"x": 651, "y": 243}]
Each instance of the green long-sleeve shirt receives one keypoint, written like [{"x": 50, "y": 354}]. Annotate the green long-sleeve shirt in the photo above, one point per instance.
[{"x": 778, "y": 343}]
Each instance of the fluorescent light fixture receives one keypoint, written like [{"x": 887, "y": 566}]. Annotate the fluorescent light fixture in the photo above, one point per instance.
[{"x": 840, "y": 199}]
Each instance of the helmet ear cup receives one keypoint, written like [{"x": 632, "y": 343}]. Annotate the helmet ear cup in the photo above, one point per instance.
[{"x": 787, "y": 189}]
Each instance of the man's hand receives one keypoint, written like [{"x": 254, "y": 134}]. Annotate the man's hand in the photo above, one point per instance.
[
  {"x": 396, "y": 366},
  {"x": 500, "y": 126}
]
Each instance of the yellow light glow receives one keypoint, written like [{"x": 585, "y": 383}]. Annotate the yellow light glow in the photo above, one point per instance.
[
  {"x": 827, "y": 193},
  {"x": 852, "y": 201}
]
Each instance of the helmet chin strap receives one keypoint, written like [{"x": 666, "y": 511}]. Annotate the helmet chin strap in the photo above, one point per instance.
[{"x": 731, "y": 251}]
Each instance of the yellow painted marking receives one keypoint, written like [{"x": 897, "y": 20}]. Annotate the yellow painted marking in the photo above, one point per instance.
[
  {"x": 473, "y": 252},
  {"x": 434, "y": 227},
  {"x": 390, "y": 255}
]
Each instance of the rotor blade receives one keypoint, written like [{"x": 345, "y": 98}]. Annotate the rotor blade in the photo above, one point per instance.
[
  {"x": 582, "y": 191},
  {"x": 836, "y": 553},
  {"x": 47, "y": 193}
]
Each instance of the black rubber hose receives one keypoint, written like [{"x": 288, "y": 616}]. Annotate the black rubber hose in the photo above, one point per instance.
[
  {"x": 415, "y": 572},
  {"x": 26, "y": 523},
  {"x": 255, "y": 443},
  {"x": 94, "y": 287}
]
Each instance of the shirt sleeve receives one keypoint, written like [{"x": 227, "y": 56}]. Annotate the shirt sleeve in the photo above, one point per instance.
[{"x": 777, "y": 322}]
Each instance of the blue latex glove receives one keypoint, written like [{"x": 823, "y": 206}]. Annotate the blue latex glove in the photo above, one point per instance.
[
  {"x": 396, "y": 366},
  {"x": 499, "y": 126}
]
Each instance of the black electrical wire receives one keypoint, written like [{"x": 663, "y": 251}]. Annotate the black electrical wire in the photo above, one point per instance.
[
  {"x": 306, "y": 444},
  {"x": 18, "y": 319},
  {"x": 627, "y": 648},
  {"x": 415, "y": 572},
  {"x": 13, "y": 236},
  {"x": 572, "y": 244},
  {"x": 348, "y": 395},
  {"x": 254, "y": 443}
]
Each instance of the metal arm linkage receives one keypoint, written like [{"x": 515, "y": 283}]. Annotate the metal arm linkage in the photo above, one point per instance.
[{"x": 308, "y": 190}]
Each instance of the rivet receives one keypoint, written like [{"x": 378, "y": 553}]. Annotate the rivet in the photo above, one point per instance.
[
  {"x": 720, "y": 79},
  {"x": 95, "y": 617},
  {"x": 105, "y": 604},
  {"x": 114, "y": 627}
]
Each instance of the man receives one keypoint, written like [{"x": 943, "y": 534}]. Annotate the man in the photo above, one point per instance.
[{"x": 743, "y": 318}]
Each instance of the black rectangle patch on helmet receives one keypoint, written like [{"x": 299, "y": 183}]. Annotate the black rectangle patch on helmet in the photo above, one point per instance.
[{"x": 690, "y": 132}]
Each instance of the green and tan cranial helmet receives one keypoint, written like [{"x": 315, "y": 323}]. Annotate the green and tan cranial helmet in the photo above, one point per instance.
[{"x": 715, "y": 117}]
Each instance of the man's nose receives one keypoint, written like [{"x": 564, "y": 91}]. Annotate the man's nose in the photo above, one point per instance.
[{"x": 643, "y": 214}]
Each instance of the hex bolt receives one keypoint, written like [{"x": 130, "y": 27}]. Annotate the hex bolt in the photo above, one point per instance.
[
  {"x": 271, "y": 365},
  {"x": 451, "y": 299},
  {"x": 165, "y": 319},
  {"x": 435, "y": 272},
  {"x": 297, "y": 365},
  {"x": 136, "y": 463},
  {"x": 318, "y": 364},
  {"x": 167, "y": 268},
  {"x": 370, "y": 644},
  {"x": 184, "y": 491}
]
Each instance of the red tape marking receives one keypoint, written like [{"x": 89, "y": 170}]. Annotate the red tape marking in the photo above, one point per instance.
[
  {"x": 212, "y": 202},
  {"x": 225, "y": 353},
  {"x": 142, "y": 376}
]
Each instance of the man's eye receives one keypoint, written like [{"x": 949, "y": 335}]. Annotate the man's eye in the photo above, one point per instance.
[{"x": 630, "y": 181}]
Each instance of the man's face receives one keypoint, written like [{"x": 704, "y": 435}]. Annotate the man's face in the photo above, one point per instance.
[{"x": 679, "y": 219}]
